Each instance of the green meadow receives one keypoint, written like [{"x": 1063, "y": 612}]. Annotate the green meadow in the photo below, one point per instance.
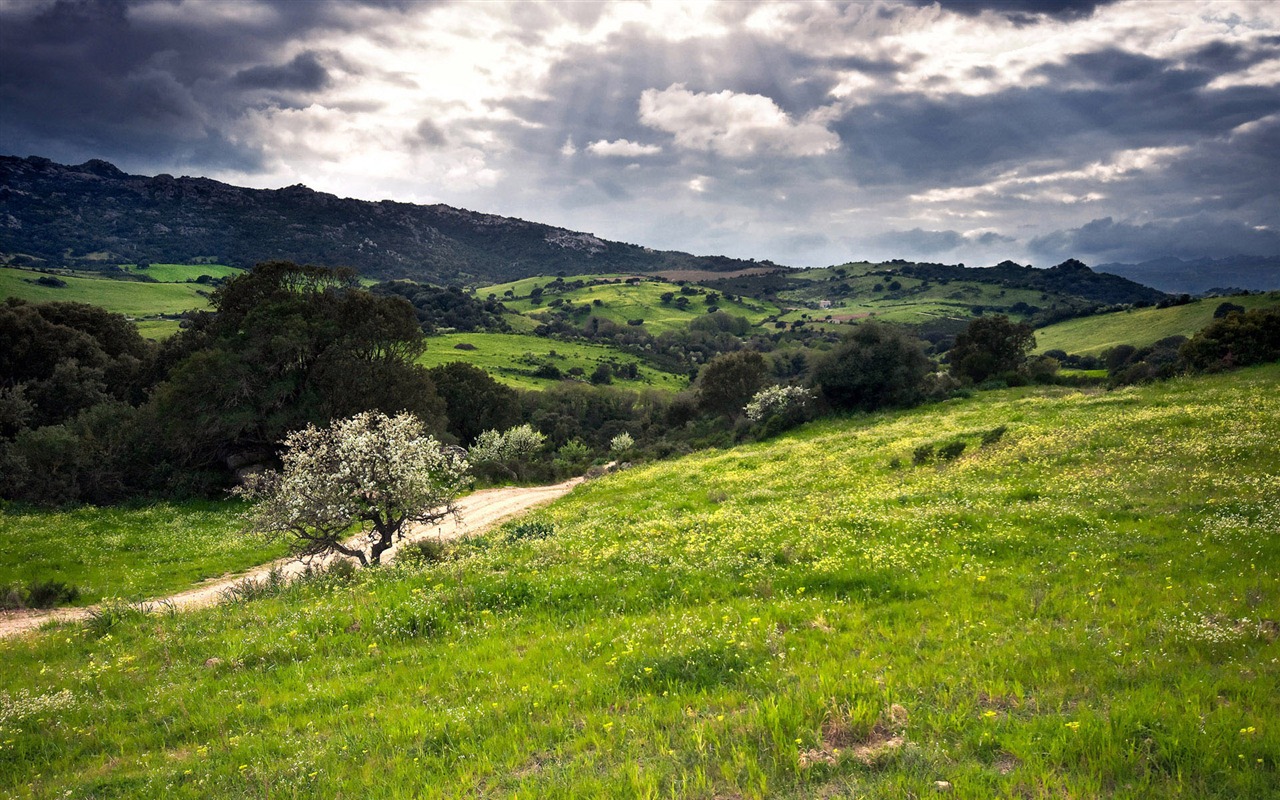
[
  {"x": 1140, "y": 326},
  {"x": 512, "y": 359},
  {"x": 622, "y": 302},
  {"x": 1077, "y": 599},
  {"x": 131, "y": 298},
  {"x": 132, "y": 553},
  {"x": 179, "y": 273}
]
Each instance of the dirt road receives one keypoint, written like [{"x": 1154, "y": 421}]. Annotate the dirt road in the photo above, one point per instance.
[{"x": 477, "y": 512}]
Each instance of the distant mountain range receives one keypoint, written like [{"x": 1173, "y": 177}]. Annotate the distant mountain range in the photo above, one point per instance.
[
  {"x": 1202, "y": 275},
  {"x": 94, "y": 214}
]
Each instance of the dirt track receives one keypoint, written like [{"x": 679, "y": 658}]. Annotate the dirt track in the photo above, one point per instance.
[{"x": 477, "y": 512}]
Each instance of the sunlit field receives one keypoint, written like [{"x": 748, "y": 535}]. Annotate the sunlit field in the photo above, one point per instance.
[
  {"x": 513, "y": 359},
  {"x": 132, "y": 553},
  {"x": 1141, "y": 326},
  {"x": 1079, "y": 601}
]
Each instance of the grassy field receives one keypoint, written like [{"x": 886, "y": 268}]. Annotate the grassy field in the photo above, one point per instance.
[
  {"x": 131, "y": 553},
  {"x": 512, "y": 358},
  {"x": 1082, "y": 604},
  {"x": 913, "y": 302},
  {"x": 133, "y": 299},
  {"x": 180, "y": 273},
  {"x": 622, "y": 302},
  {"x": 1139, "y": 327}
]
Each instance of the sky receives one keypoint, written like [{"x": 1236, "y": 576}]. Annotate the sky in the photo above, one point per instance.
[{"x": 806, "y": 133}]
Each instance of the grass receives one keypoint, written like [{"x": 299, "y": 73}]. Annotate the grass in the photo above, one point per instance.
[
  {"x": 622, "y": 302},
  {"x": 1084, "y": 607},
  {"x": 130, "y": 298},
  {"x": 180, "y": 273},
  {"x": 134, "y": 553},
  {"x": 914, "y": 302},
  {"x": 1139, "y": 327},
  {"x": 512, "y": 358}
]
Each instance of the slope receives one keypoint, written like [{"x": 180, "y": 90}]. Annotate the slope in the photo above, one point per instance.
[
  {"x": 1140, "y": 326},
  {"x": 1084, "y": 606}
]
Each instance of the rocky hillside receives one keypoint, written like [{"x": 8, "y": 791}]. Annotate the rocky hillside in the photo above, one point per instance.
[{"x": 94, "y": 214}]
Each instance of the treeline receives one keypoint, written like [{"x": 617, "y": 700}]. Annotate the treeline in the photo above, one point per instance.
[{"x": 92, "y": 412}]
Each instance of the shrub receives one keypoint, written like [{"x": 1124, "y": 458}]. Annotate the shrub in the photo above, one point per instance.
[
  {"x": 424, "y": 551},
  {"x": 790, "y": 405},
  {"x": 922, "y": 454},
  {"x": 874, "y": 367},
  {"x": 531, "y": 531},
  {"x": 951, "y": 450},
  {"x": 994, "y": 435}
]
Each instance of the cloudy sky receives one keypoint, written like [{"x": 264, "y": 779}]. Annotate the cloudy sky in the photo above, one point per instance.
[{"x": 808, "y": 133}]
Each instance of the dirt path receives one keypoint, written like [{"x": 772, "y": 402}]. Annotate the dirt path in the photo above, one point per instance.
[{"x": 477, "y": 512}]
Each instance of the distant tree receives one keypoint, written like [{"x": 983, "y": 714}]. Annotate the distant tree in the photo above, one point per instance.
[
  {"x": 991, "y": 346},
  {"x": 621, "y": 444},
  {"x": 728, "y": 381},
  {"x": 875, "y": 366},
  {"x": 603, "y": 374},
  {"x": 288, "y": 346},
  {"x": 510, "y": 450},
  {"x": 1236, "y": 340},
  {"x": 376, "y": 472},
  {"x": 474, "y": 401},
  {"x": 1226, "y": 308}
]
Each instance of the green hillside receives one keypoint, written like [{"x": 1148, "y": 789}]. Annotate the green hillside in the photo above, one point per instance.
[
  {"x": 179, "y": 273},
  {"x": 1082, "y": 604},
  {"x": 1139, "y": 327},
  {"x": 131, "y": 298},
  {"x": 623, "y": 302},
  {"x": 513, "y": 359}
]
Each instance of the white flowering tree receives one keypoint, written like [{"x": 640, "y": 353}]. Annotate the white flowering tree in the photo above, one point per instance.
[
  {"x": 621, "y": 444},
  {"x": 791, "y": 403},
  {"x": 509, "y": 450},
  {"x": 372, "y": 471}
]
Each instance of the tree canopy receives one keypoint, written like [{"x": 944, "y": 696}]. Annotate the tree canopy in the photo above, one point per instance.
[{"x": 372, "y": 471}]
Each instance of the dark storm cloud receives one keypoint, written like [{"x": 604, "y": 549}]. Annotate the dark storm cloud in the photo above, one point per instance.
[
  {"x": 1022, "y": 11},
  {"x": 100, "y": 78},
  {"x": 304, "y": 73},
  {"x": 1096, "y": 103},
  {"x": 918, "y": 240},
  {"x": 1107, "y": 240}
]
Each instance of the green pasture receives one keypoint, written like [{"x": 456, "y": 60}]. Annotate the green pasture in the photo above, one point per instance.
[
  {"x": 1081, "y": 603},
  {"x": 131, "y": 298},
  {"x": 180, "y": 273},
  {"x": 132, "y": 553},
  {"x": 512, "y": 359},
  {"x": 1140, "y": 326},
  {"x": 622, "y": 302}
]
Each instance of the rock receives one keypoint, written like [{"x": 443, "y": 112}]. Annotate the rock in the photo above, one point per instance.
[{"x": 942, "y": 786}]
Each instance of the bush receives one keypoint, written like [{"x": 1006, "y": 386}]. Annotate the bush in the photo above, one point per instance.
[
  {"x": 780, "y": 407},
  {"x": 531, "y": 531},
  {"x": 38, "y": 594},
  {"x": 951, "y": 450},
  {"x": 876, "y": 366},
  {"x": 424, "y": 551},
  {"x": 994, "y": 435},
  {"x": 922, "y": 455}
]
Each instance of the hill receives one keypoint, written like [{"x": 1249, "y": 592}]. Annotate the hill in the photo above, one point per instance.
[
  {"x": 1081, "y": 604},
  {"x": 1139, "y": 326},
  {"x": 938, "y": 295},
  {"x": 93, "y": 214},
  {"x": 1197, "y": 276}
]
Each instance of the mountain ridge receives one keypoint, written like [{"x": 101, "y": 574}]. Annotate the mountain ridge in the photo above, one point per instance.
[{"x": 94, "y": 213}]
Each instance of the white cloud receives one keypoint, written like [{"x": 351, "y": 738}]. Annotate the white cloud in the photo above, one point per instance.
[
  {"x": 732, "y": 124},
  {"x": 624, "y": 148}
]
